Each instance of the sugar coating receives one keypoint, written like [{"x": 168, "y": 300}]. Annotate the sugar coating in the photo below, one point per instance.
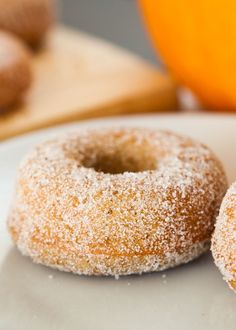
[
  {"x": 224, "y": 238},
  {"x": 116, "y": 201}
]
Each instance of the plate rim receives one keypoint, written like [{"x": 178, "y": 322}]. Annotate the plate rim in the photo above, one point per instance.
[{"x": 53, "y": 129}]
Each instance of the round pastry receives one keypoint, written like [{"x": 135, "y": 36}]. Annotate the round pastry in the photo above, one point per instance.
[
  {"x": 15, "y": 69},
  {"x": 224, "y": 238},
  {"x": 116, "y": 201},
  {"x": 29, "y": 19}
]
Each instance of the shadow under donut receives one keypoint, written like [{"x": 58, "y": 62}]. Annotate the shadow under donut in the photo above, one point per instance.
[{"x": 50, "y": 299}]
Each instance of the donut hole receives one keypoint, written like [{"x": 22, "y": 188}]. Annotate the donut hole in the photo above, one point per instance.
[
  {"x": 117, "y": 153},
  {"x": 118, "y": 163}
]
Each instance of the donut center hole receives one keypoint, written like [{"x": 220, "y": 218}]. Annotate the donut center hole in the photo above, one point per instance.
[{"x": 118, "y": 164}]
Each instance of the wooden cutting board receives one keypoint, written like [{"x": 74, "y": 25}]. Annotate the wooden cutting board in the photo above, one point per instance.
[{"x": 77, "y": 76}]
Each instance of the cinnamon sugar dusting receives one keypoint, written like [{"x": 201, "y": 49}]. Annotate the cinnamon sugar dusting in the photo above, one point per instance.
[
  {"x": 224, "y": 238},
  {"x": 116, "y": 201}
]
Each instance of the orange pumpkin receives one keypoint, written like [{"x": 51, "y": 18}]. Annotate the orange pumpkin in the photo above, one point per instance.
[{"x": 197, "y": 40}]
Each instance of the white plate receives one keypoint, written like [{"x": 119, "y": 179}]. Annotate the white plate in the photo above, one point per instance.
[{"x": 192, "y": 296}]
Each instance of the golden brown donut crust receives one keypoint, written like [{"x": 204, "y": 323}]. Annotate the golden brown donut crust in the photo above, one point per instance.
[
  {"x": 15, "y": 69},
  {"x": 224, "y": 238},
  {"x": 28, "y": 19},
  {"x": 116, "y": 201}
]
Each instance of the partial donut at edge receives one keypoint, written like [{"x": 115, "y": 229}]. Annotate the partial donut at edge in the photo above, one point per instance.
[{"x": 224, "y": 238}]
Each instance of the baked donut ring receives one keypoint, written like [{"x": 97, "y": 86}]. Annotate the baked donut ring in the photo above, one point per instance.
[
  {"x": 224, "y": 238},
  {"x": 116, "y": 201},
  {"x": 15, "y": 70}
]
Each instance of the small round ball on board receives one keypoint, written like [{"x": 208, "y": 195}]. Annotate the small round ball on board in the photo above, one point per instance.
[
  {"x": 28, "y": 19},
  {"x": 15, "y": 69}
]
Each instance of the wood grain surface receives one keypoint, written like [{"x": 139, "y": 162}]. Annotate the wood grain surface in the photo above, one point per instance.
[{"x": 77, "y": 76}]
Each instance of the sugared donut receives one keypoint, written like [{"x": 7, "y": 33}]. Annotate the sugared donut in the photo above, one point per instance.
[
  {"x": 116, "y": 201},
  {"x": 28, "y": 19},
  {"x": 224, "y": 238},
  {"x": 15, "y": 69}
]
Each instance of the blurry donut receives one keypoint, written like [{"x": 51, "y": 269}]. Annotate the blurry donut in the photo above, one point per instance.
[
  {"x": 15, "y": 69},
  {"x": 28, "y": 19}
]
